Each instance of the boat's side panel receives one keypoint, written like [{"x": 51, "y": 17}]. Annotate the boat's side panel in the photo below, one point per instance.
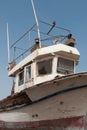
[
  {"x": 68, "y": 104},
  {"x": 72, "y": 103},
  {"x": 73, "y": 123},
  {"x": 59, "y": 84}
]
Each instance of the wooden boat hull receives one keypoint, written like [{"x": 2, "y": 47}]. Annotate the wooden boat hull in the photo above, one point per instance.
[
  {"x": 73, "y": 123},
  {"x": 58, "y": 104}
]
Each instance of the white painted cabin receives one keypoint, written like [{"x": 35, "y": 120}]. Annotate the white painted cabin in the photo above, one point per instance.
[{"x": 44, "y": 64}]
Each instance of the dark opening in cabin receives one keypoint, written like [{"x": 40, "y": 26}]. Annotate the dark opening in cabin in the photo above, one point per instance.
[
  {"x": 21, "y": 78},
  {"x": 44, "y": 67}
]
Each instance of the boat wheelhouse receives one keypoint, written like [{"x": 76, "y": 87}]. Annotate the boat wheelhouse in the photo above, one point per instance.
[{"x": 44, "y": 63}]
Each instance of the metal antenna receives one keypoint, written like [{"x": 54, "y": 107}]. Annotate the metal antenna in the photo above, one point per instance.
[
  {"x": 53, "y": 25},
  {"x": 8, "y": 45},
  {"x": 37, "y": 23}
]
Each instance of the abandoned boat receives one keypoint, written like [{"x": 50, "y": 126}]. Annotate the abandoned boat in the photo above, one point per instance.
[{"x": 47, "y": 93}]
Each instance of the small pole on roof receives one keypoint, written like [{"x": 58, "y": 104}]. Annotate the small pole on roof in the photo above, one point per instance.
[
  {"x": 8, "y": 45},
  {"x": 37, "y": 23}
]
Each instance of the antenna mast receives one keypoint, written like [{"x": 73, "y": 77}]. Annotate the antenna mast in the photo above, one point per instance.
[
  {"x": 37, "y": 23},
  {"x": 8, "y": 45}
]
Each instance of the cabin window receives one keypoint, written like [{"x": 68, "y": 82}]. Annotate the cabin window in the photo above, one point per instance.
[
  {"x": 44, "y": 67},
  {"x": 28, "y": 73},
  {"x": 65, "y": 66},
  {"x": 21, "y": 78}
]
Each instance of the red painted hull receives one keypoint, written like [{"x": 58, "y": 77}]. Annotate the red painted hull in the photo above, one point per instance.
[{"x": 58, "y": 124}]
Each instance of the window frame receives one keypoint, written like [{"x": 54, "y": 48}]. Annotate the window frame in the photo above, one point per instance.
[
  {"x": 63, "y": 70},
  {"x": 20, "y": 81},
  {"x": 42, "y": 60},
  {"x": 26, "y": 80}
]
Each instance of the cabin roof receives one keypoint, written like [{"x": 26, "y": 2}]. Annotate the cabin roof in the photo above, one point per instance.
[{"x": 59, "y": 49}]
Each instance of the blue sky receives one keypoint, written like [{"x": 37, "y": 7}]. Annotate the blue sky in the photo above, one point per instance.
[{"x": 71, "y": 14}]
